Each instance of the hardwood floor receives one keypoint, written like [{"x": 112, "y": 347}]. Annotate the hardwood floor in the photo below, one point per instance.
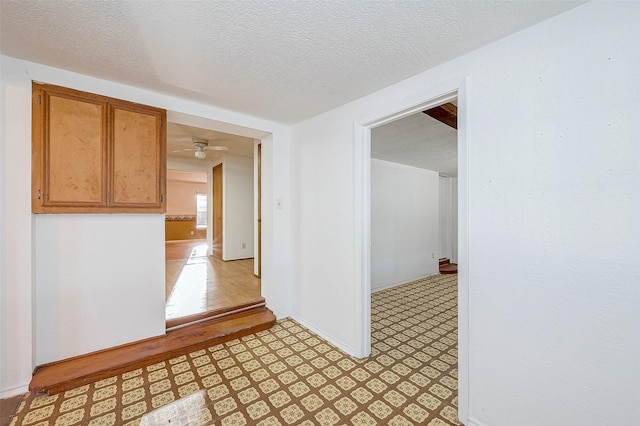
[
  {"x": 175, "y": 250},
  {"x": 200, "y": 286}
]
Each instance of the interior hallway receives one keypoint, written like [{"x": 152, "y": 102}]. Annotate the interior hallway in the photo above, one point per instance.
[{"x": 199, "y": 286}]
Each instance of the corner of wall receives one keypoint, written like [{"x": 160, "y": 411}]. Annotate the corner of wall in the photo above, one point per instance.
[
  {"x": 326, "y": 336},
  {"x": 472, "y": 422},
  {"x": 16, "y": 228},
  {"x": 14, "y": 391}
]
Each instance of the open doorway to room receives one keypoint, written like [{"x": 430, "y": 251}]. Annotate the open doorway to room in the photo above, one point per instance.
[
  {"x": 414, "y": 178},
  {"x": 210, "y": 202},
  {"x": 413, "y": 234}
]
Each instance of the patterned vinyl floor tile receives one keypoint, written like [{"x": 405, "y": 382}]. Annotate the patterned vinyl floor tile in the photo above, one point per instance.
[{"x": 289, "y": 376}]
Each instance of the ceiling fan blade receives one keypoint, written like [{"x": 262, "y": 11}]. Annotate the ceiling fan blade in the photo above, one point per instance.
[
  {"x": 183, "y": 140},
  {"x": 184, "y": 150},
  {"x": 216, "y": 148}
]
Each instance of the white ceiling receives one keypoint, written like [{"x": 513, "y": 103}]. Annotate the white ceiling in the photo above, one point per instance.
[
  {"x": 280, "y": 60},
  {"x": 419, "y": 141}
]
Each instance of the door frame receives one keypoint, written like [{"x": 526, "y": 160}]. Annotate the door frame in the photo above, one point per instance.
[
  {"x": 362, "y": 219},
  {"x": 213, "y": 209},
  {"x": 258, "y": 253}
]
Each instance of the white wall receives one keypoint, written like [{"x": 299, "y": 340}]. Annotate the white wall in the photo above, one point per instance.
[
  {"x": 551, "y": 125},
  {"x": 237, "y": 206},
  {"x": 322, "y": 175},
  {"x": 82, "y": 293},
  {"x": 278, "y": 265},
  {"x": 404, "y": 223},
  {"x": 16, "y": 234},
  {"x": 20, "y": 352}
]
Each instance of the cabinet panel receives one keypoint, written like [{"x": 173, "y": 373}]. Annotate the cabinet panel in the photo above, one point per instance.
[
  {"x": 75, "y": 158},
  {"x": 138, "y": 156}
]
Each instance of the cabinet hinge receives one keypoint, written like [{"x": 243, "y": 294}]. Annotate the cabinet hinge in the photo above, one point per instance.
[
  {"x": 39, "y": 194},
  {"x": 39, "y": 99}
]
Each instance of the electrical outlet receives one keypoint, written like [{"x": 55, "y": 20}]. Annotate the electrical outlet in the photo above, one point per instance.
[
  {"x": 243, "y": 245},
  {"x": 433, "y": 255}
]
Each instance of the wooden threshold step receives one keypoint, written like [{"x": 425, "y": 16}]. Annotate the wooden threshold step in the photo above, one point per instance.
[
  {"x": 181, "y": 321},
  {"x": 450, "y": 268},
  {"x": 78, "y": 371}
]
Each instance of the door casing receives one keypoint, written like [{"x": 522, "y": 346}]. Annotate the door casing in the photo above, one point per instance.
[
  {"x": 217, "y": 212},
  {"x": 362, "y": 216}
]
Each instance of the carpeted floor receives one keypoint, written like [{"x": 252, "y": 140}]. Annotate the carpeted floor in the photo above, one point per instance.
[{"x": 290, "y": 376}]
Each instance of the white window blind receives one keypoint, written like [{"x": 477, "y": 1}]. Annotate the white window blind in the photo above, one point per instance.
[{"x": 201, "y": 210}]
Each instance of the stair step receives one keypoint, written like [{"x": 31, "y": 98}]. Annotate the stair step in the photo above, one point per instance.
[
  {"x": 450, "y": 268},
  {"x": 70, "y": 373},
  {"x": 189, "y": 319},
  {"x": 443, "y": 261}
]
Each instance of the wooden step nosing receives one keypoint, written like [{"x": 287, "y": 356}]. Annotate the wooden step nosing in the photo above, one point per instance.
[
  {"x": 123, "y": 346},
  {"x": 152, "y": 359},
  {"x": 141, "y": 343},
  {"x": 216, "y": 316},
  {"x": 261, "y": 319}
]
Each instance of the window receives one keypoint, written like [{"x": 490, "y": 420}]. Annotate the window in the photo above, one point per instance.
[{"x": 201, "y": 211}]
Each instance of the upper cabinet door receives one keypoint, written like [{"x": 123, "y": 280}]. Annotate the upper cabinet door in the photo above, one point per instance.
[
  {"x": 93, "y": 154},
  {"x": 69, "y": 149},
  {"x": 138, "y": 156}
]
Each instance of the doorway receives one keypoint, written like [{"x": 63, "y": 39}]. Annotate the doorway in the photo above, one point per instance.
[
  {"x": 362, "y": 212},
  {"x": 410, "y": 207},
  {"x": 213, "y": 276}
]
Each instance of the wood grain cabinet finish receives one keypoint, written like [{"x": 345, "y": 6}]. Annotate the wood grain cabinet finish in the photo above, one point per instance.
[{"x": 94, "y": 154}]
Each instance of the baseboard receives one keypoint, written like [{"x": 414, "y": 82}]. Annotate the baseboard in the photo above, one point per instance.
[
  {"x": 329, "y": 338},
  {"x": 386, "y": 287},
  {"x": 279, "y": 314},
  {"x": 16, "y": 390},
  {"x": 238, "y": 258},
  {"x": 473, "y": 422}
]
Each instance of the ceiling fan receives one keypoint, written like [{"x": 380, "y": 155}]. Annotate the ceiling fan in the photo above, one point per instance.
[{"x": 200, "y": 146}]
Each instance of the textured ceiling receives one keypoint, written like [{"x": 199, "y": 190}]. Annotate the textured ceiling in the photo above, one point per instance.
[
  {"x": 281, "y": 60},
  {"x": 419, "y": 141}
]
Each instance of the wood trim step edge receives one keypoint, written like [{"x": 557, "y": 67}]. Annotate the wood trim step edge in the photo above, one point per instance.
[{"x": 202, "y": 335}]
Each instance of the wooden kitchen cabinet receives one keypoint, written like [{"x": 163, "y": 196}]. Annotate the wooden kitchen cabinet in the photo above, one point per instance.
[{"x": 94, "y": 154}]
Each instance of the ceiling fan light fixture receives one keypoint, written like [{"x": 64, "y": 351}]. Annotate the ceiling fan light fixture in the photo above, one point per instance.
[{"x": 200, "y": 155}]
